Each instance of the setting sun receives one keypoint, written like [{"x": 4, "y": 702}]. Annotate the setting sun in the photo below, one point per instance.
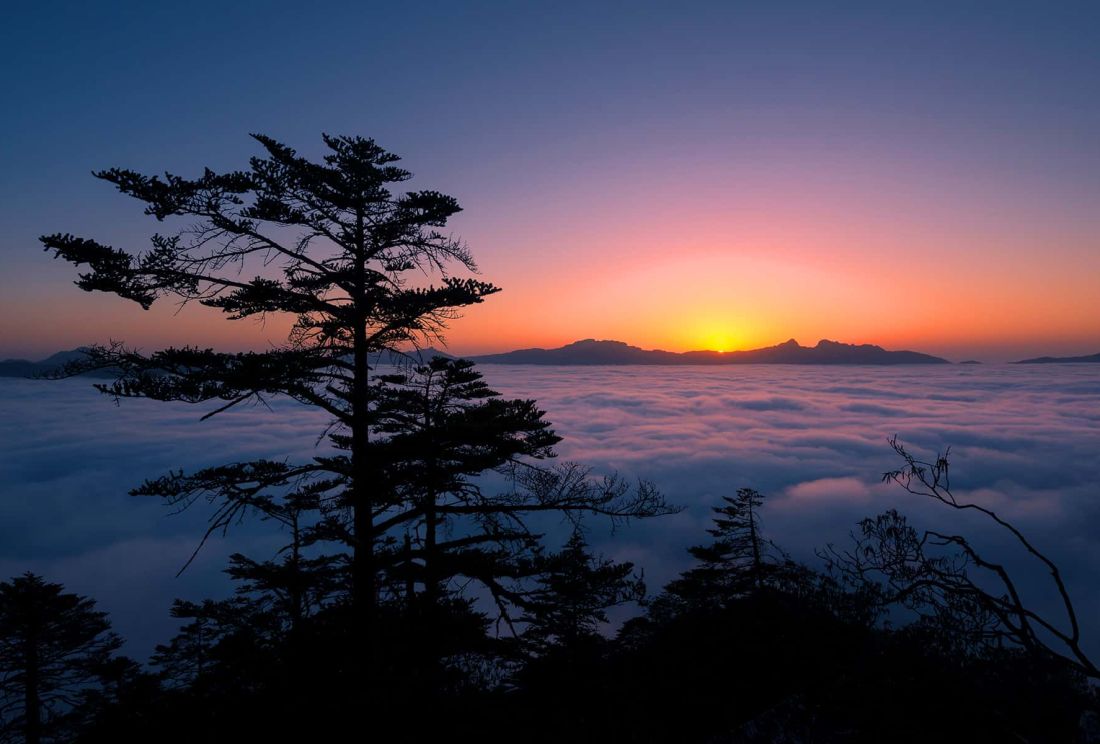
[{"x": 717, "y": 339}]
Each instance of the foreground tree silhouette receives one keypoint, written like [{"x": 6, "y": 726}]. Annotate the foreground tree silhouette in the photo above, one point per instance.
[
  {"x": 739, "y": 562},
  {"x": 345, "y": 247},
  {"x": 330, "y": 245},
  {"x": 364, "y": 273},
  {"x": 969, "y": 598},
  {"x": 573, "y": 593},
  {"x": 448, "y": 427},
  {"x": 54, "y": 646}
]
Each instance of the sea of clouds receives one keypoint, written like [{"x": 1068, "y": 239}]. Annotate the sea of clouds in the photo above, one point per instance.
[{"x": 1024, "y": 440}]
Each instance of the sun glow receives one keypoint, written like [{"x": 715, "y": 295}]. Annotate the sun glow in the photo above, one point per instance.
[{"x": 715, "y": 337}]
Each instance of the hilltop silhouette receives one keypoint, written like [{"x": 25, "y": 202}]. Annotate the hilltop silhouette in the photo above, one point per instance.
[
  {"x": 591, "y": 351},
  {"x": 594, "y": 352},
  {"x": 1090, "y": 359},
  {"x": 27, "y": 368}
]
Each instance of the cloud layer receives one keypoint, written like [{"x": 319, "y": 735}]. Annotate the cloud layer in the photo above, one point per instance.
[{"x": 813, "y": 440}]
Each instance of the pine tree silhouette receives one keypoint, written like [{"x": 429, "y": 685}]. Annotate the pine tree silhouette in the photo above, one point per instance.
[{"x": 54, "y": 645}]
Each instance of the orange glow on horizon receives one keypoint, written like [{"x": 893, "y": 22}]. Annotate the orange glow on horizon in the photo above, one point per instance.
[
  {"x": 715, "y": 257},
  {"x": 714, "y": 336}
]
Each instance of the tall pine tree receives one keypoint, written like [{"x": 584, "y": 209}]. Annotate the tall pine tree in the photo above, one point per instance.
[
  {"x": 54, "y": 647},
  {"x": 330, "y": 244},
  {"x": 364, "y": 272}
]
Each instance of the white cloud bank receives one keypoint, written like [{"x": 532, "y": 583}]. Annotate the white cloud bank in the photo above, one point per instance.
[{"x": 1024, "y": 440}]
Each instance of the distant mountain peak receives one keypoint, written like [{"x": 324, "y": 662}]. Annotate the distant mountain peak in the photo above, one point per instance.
[
  {"x": 590, "y": 351},
  {"x": 26, "y": 368},
  {"x": 830, "y": 344},
  {"x": 597, "y": 342},
  {"x": 1090, "y": 359}
]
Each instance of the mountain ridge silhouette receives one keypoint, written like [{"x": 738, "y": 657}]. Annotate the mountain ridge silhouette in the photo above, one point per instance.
[
  {"x": 1086, "y": 359},
  {"x": 593, "y": 351}
]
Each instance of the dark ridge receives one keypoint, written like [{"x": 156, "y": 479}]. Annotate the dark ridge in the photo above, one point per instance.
[
  {"x": 1090, "y": 359},
  {"x": 26, "y": 368},
  {"x": 591, "y": 351},
  {"x": 411, "y": 356}
]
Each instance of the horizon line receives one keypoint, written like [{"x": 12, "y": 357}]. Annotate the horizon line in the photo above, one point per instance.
[{"x": 446, "y": 348}]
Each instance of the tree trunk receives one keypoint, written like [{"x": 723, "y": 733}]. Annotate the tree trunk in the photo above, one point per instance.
[
  {"x": 431, "y": 582},
  {"x": 410, "y": 576},
  {"x": 295, "y": 675},
  {"x": 32, "y": 704},
  {"x": 757, "y": 562},
  {"x": 362, "y": 564}
]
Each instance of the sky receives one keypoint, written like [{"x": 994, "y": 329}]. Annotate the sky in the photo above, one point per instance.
[{"x": 674, "y": 175}]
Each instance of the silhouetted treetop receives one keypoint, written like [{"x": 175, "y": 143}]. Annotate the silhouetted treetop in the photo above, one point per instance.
[
  {"x": 54, "y": 645},
  {"x": 342, "y": 242},
  {"x": 740, "y": 560},
  {"x": 572, "y": 594}
]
